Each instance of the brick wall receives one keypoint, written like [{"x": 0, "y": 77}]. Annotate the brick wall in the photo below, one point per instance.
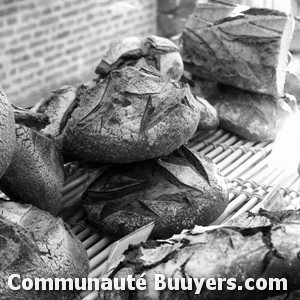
[{"x": 45, "y": 44}]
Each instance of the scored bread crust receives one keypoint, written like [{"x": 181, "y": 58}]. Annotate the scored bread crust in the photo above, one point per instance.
[
  {"x": 7, "y": 132},
  {"x": 35, "y": 174},
  {"x": 175, "y": 192},
  {"x": 34, "y": 244},
  {"x": 132, "y": 115},
  {"x": 237, "y": 45},
  {"x": 253, "y": 116}
]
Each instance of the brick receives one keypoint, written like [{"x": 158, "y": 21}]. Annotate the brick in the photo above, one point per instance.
[
  {"x": 70, "y": 13},
  {"x": 4, "y": 12},
  {"x": 49, "y": 21},
  {"x": 38, "y": 53},
  {"x": 12, "y": 20},
  {"x": 62, "y": 35},
  {"x": 13, "y": 51},
  {"x": 25, "y": 37},
  {"x": 2, "y": 76}
]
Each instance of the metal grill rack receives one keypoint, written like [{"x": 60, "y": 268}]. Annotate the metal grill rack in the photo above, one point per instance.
[{"x": 243, "y": 163}]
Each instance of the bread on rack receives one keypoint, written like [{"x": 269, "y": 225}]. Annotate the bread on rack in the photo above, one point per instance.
[
  {"x": 35, "y": 174},
  {"x": 253, "y": 116},
  {"x": 268, "y": 250},
  {"x": 175, "y": 192},
  {"x": 237, "y": 45},
  {"x": 34, "y": 244},
  {"x": 7, "y": 132}
]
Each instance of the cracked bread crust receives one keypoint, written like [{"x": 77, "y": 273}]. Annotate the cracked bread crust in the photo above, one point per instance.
[
  {"x": 175, "y": 192},
  {"x": 132, "y": 115},
  {"x": 34, "y": 244},
  {"x": 237, "y": 45},
  {"x": 35, "y": 174}
]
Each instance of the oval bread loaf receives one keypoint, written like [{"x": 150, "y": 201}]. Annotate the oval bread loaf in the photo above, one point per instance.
[{"x": 176, "y": 192}]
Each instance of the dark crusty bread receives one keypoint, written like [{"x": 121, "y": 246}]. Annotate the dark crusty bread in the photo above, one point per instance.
[
  {"x": 35, "y": 244},
  {"x": 228, "y": 252},
  {"x": 132, "y": 115},
  {"x": 7, "y": 132},
  {"x": 237, "y": 45},
  {"x": 35, "y": 174},
  {"x": 253, "y": 116},
  {"x": 176, "y": 192}
]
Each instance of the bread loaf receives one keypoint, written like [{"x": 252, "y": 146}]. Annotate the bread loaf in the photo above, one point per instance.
[
  {"x": 132, "y": 115},
  {"x": 253, "y": 116},
  {"x": 7, "y": 132},
  {"x": 226, "y": 252},
  {"x": 175, "y": 192},
  {"x": 34, "y": 244},
  {"x": 35, "y": 174},
  {"x": 239, "y": 46},
  {"x": 156, "y": 51}
]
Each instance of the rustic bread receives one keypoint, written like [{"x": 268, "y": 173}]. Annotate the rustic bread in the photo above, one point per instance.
[
  {"x": 239, "y": 46},
  {"x": 237, "y": 252},
  {"x": 253, "y": 116},
  {"x": 35, "y": 174},
  {"x": 35, "y": 244},
  {"x": 132, "y": 115},
  {"x": 156, "y": 51},
  {"x": 176, "y": 192},
  {"x": 7, "y": 132}
]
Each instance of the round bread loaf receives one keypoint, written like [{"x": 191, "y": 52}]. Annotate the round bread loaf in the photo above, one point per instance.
[
  {"x": 7, "y": 132},
  {"x": 176, "y": 191},
  {"x": 35, "y": 174},
  {"x": 156, "y": 51},
  {"x": 132, "y": 115},
  {"x": 34, "y": 244}
]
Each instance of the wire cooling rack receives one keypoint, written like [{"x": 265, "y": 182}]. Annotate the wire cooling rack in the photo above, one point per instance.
[{"x": 243, "y": 163}]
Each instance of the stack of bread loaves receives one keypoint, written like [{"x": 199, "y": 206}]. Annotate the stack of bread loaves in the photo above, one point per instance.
[
  {"x": 134, "y": 119},
  {"x": 245, "y": 52}
]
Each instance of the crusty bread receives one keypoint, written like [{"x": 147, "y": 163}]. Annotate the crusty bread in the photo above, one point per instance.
[
  {"x": 227, "y": 252},
  {"x": 7, "y": 132},
  {"x": 35, "y": 244},
  {"x": 253, "y": 116},
  {"x": 175, "y": 192},
  {"x": 132, "y": 115},
  {"x": 35, "y": 174},
  {"x": 237, "y": 45}
]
